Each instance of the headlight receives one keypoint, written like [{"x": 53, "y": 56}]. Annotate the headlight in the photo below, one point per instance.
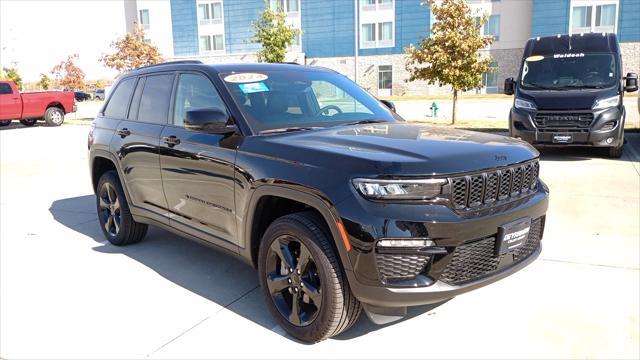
[
  {"x": 525, "y": 104},
  {"x": 607, "y": 102},
  {"x": 400, "y": 189}
]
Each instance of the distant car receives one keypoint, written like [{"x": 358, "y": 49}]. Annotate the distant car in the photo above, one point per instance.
[
  {"x": 99, "y": 94},
  {"x": 31, "y": 107},
  {"x": 82, "y": 96}
]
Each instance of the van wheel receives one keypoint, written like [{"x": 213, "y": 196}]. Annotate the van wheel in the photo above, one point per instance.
[
  {"x": 114, "y": 216},
  {"x": 303, "y": 283},
  {"x": 5, "y": 122},
  {"x": 616, "y": 151},
  {"x": 54, "y": 116},
  {"x": 28, "y": 122}
]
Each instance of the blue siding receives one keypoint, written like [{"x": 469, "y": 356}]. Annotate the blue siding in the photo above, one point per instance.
[
  {"x": 238, "y": 16},
  {"x": 185, "y": 27},
  {"x": 412, "y": 23},
  {"x": 550, "y": 17},
  {"x": 629, "y": 21},
  {"x": 327, "y": 28}
]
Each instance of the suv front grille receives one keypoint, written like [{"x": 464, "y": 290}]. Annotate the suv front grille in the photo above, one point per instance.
[
  {"x": 477, "y": 259},
  {"x": 468, "y": 192},
  {"x": 560, "y": 122}
]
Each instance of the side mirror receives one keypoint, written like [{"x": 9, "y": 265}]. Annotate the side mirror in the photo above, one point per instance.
[
  {"x": 631, "y": 82},
  {"x": 389, "y": 104},
  {"x": 208, "y": 120},
  {"x": 509, "y": 86}
]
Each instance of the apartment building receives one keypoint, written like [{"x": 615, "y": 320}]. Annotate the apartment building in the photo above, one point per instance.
[{"x": 366, "y": 38}]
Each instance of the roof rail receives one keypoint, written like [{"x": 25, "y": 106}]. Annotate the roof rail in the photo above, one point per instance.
[{"x": 171, "y": 63}]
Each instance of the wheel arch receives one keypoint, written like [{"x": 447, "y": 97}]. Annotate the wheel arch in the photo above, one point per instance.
[
  {"x": 258, "y": 219},
  {"x": 56, "y": 104}
]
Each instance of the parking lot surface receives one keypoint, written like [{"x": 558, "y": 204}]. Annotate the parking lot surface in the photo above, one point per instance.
[{"x": 66, "y": 293}]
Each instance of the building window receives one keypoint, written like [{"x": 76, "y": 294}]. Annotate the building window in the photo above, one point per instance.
[
  {"x": 385, "y": 77},
  {"x": 490, "y": 79},
  {"x": 383, "y": 37},
  {"x": 589, "y": 16},
  {"x": 372, "y": 5},
  {"x": 368, "y": 35},
  {"x": 492, "y": 27},
  {"x": 144, "y": 19},
  {"x": 210, "y": 13},
  {"x": 288, "y": 6},
  {"x": 211, "y": 43}
]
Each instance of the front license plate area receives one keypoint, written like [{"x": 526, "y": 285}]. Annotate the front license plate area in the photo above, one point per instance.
[
  {"x": 563, "y": 138},
  {"x": 512, "y": 235}
]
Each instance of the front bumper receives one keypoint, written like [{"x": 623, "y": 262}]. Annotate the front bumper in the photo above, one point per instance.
[
  {"x": 522, "y": 124},
  {"x": 448, "y": 229}
]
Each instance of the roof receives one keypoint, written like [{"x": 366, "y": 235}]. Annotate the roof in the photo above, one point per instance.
[
  {"x": 557, "y": 44},
  {"x": 225, "y": 68}
]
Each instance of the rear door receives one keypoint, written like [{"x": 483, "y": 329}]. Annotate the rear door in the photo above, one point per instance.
[
  {"x": 198, "y": 168},
  {"x": 10, "y": 103},
  {"x": 137, "y": 141}
]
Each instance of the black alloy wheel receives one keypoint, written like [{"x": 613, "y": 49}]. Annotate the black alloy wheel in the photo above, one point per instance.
[
  {"x": 110, "y": 212},
  {"x": 293, "y": 280}
]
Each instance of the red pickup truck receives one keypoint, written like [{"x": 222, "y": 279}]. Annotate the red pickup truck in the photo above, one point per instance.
[{"x": 31, "y": 107}]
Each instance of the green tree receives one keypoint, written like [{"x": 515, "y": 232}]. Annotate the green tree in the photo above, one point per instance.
[
  {"x": 451, "y": 56},
  {"x": 11, "y": 74},
  {"x": 44, "y": 82},
  {"x": 272, "y": 31}
]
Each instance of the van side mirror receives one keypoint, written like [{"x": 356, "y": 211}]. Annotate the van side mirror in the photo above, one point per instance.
[
  {"x": 509, "y": 86},
  {"x": 208, "y": 120},
  {"x": 389, "y": 104},
  {"x": 631, "y": 82}
]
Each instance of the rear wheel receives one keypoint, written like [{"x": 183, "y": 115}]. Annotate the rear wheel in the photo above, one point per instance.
[
  {"x": 5, "y": 122},
  {"x": 28, "y": 122},
  {"x": 304, "y": 286},
  {"x": 114, "y": 216},
  {"x": 54, "y": 116}
]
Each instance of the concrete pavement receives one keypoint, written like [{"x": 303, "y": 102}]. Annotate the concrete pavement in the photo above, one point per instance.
[{"x": 66, "y": 293}]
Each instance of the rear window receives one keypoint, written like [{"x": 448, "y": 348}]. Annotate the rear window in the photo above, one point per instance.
[
  {"x": 119, "y": 101},
  {"x": 156, "y": 95},
  {"x": 5, "y": 89}
]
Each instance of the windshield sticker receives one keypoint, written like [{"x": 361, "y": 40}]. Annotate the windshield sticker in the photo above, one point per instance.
[
  {"x": 570, "y": 55},
  {"x": 253, "y": 87},
  {"x": 245, "y": 78},
  {"x": 534, "y": 58}
]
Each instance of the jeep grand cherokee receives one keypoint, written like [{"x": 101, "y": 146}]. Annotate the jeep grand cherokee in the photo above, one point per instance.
[{"x": 340, "y": 204}]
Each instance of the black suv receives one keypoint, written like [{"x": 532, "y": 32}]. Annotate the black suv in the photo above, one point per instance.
[{"x": 339, "y": 203}]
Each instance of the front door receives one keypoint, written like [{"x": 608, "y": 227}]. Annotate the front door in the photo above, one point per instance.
[{"x": 198, "y": 168}]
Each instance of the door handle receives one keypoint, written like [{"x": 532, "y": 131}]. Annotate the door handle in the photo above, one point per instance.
[
  {"x": 171, "y": 140},
  {"x": 123, "y": 133}
]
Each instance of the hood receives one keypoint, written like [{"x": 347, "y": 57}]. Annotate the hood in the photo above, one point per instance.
[
  {"x": 582, "y": 99},
  {"x": 393, "y": 149}
]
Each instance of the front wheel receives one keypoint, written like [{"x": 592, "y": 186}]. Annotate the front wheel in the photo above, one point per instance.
[
  {"x": 303, "y": 283},
  {"x": 54, "y": 116},
  {"x": 28, "y": 122},
  {"x": 5, "y": 122}
]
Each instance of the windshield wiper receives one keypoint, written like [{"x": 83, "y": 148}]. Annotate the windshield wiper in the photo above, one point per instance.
[
  {"x": 541, "y": 87},
  {"x": 582, "y": 87},
  {"x": 370, "y": 121},
  {"x": 289, "y": 129}
]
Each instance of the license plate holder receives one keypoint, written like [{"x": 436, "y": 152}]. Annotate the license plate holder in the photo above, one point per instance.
[
  {"x": 513, "y": 235},
  {"x": 562, "y": 138}
]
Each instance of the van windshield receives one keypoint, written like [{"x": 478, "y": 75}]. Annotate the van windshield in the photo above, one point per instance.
[
  {"x": 273, "y": 100},
  {"x": 574, "y": 70}
]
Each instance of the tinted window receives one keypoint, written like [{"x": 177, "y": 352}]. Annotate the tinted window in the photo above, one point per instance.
[
  {"x": 119, "y": 101},
  {"x": 154, "y": 103},
  {"x": 5, "y": 89},
  {"x": 135, "y": 103},
  {"x": 194, "y": 92}
]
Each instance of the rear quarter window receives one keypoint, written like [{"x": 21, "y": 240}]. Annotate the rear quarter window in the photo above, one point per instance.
[{"x": 119, "y": 101}]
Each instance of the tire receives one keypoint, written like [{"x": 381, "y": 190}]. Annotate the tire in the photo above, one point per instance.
[
  {"x": 326, "y": 290},
  {"x": 28, "y": 122},
  {"x": 5, "y": 122},
  {"x": 54, "y": 116},
  {"x": 113, "y": 209}
]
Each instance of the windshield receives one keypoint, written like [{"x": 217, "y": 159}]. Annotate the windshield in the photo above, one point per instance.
[
  {"x": 561, "y": 71},
  {"x": 272, "y": 100}
]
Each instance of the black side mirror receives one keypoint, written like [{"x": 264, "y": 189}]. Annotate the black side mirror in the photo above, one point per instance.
[
  {"x": 389, "y": 104},
  {"x": 208, "y": 120},
  {"x": 509, "y": 86},
  {"x": 631, "y": 82}
]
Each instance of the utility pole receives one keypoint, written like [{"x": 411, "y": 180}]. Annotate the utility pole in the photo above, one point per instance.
[{"x": 355, "y": 40}]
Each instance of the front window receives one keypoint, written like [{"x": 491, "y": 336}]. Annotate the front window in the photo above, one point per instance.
[
  {"x": 282, "y": 99},
  {"x": 575, "y": 70},
  {"x": 593, "y": 16}
]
